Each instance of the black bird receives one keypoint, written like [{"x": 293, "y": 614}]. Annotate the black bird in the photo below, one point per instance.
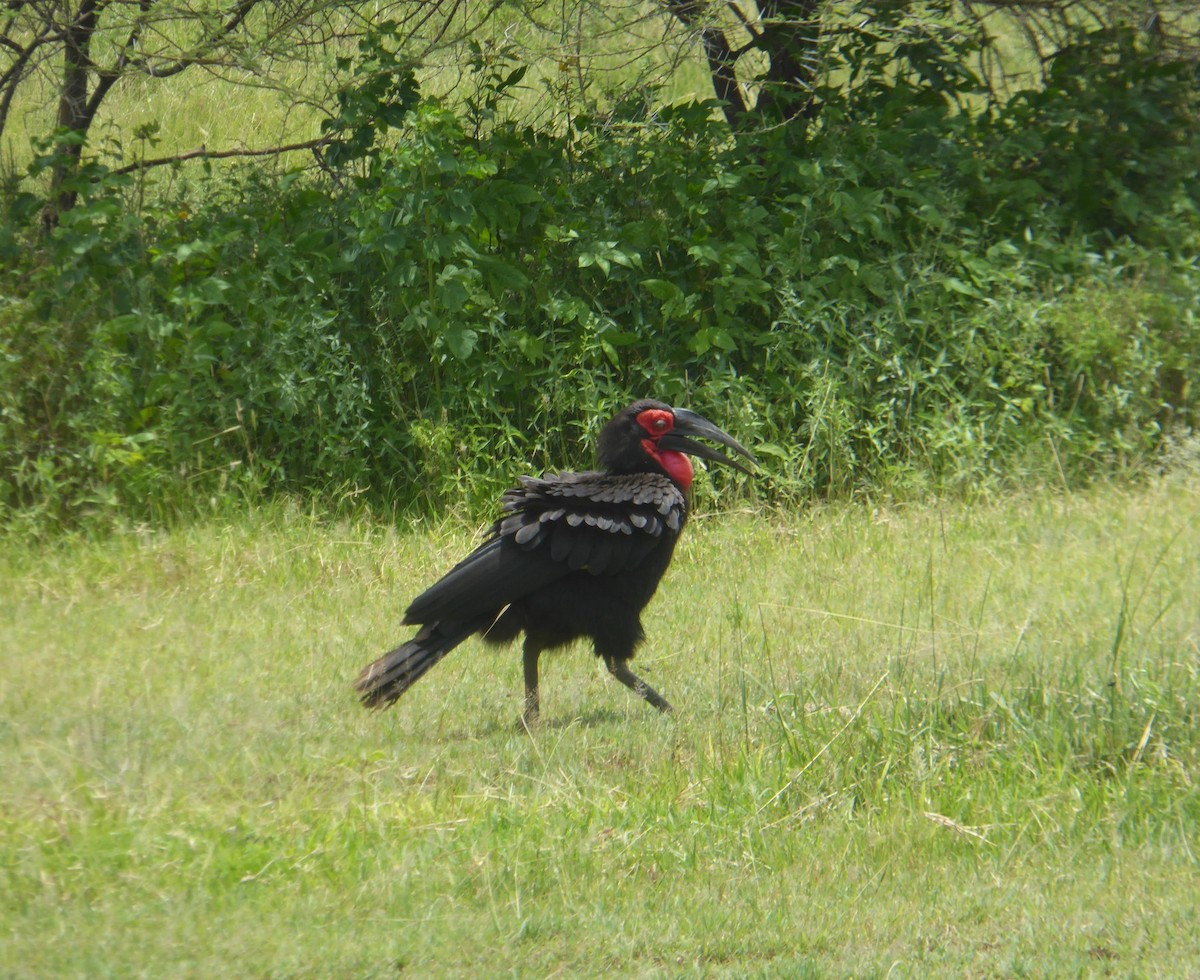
[{"x": 577, "y": 554}]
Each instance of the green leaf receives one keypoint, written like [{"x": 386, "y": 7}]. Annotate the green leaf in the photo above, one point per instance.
[
  {"x": 503, "y": 274},
  {"x": 461, "y": 339},
  {"x": 662, "y": 289},
  {"x": 952, "y": 284}
]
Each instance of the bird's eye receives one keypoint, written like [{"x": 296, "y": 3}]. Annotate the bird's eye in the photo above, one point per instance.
[{"x": 656, "y": 421}]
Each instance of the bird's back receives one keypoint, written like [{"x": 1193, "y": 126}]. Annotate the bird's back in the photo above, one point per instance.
[{"x": 618, "y": 529}]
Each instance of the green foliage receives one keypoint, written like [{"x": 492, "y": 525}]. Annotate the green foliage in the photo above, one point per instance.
[
  {"x": 1107, "y": 145},
  {"x": 926, "y": 291},
  {"x": 382, "y": 87}
]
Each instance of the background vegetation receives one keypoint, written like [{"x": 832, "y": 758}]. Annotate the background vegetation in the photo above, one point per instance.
[{"x": 932, "y": 275}]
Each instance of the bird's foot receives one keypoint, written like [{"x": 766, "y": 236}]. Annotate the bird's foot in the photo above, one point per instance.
[
  {"x": 529, "y": 717},
  {"x": 621, "y": 672}
]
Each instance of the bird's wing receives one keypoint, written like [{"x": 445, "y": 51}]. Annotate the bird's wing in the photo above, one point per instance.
[
  {"x": 552, "y": 526},
  {"x": 600, "y": 522}
]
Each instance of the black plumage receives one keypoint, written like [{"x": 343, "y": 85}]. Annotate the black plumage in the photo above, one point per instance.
[{"x": 573, "y": 555}]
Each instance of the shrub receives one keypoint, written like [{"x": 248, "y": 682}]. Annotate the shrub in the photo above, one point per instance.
[{"x": 902, "y": 301}]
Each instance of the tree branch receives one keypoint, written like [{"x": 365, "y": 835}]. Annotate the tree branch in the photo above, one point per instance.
[
  {"x": 236, "y": 18},
  {"x": 16, "y": 73},
  {"x": 207, "y": 154}
]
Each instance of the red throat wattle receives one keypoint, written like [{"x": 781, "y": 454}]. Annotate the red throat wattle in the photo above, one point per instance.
[{"x": 677, "y": 465}]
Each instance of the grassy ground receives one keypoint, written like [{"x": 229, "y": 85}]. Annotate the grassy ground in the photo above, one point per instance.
[{"x": 898, "y": 751}]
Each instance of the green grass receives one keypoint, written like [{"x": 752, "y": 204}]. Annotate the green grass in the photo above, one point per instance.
[{"x": 897, "y": 752}]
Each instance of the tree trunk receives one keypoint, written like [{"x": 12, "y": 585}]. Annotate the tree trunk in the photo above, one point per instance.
[
  {"x": 790, "y": 35},
  {"x": 721, "y": 58},
  {"x": 75, "y": 110},
  {"x": 787, "y": 32}
]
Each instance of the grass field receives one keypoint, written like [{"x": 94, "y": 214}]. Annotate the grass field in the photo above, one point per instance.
[{"x": 944, "y": 739}]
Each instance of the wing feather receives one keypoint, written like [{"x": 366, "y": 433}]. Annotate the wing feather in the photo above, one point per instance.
[{"x": 552, "y": 527}]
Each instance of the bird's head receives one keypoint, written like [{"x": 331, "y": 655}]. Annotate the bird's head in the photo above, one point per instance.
[{"x": 649, "y": 436}]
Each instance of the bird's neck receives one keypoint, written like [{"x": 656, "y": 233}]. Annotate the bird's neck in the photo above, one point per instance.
[{"x": 677, "y": 465}]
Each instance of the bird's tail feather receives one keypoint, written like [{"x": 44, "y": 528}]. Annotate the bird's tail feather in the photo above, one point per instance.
[{"x": 382, "y": 682}]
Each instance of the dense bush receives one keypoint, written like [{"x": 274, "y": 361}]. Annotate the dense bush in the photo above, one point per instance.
[{"x": 922, "y": 292}]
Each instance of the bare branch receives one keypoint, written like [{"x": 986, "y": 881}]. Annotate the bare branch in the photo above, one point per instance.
[{"x": 207, "y": 154}]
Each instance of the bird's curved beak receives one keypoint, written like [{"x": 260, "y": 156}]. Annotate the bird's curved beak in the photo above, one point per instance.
[{"x": 688, "y": 423}]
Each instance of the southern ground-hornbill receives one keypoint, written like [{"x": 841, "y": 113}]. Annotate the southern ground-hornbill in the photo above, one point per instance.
[{"x": 574, "y": 555}]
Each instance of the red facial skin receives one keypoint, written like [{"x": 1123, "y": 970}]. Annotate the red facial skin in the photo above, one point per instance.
[{"x": 658, "y": 422}]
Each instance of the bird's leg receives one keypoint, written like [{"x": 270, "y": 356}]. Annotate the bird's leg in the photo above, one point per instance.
[
  {"x": 530, "y": 656},
  {"x": 620, "y": 670}
]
